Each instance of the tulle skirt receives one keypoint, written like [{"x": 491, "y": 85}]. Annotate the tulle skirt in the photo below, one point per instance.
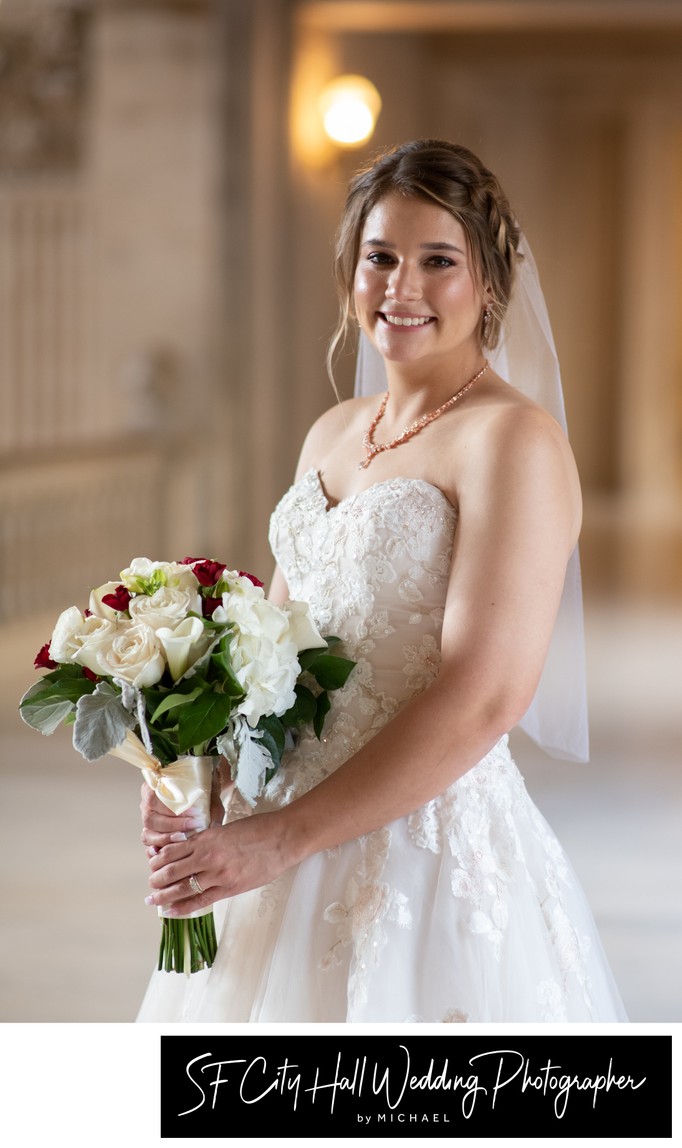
[{"x": 465, "y": 911}]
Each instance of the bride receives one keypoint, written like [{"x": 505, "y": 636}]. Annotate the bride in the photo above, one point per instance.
[{"x": 397, "y": 869}]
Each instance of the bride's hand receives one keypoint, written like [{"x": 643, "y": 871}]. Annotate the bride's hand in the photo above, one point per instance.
[
  {"x": 224, "y": 860},
  {"x": 159, "y": 824}
]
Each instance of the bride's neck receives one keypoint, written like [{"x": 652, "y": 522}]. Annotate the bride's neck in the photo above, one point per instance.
[{"x": 415, "y": 392}]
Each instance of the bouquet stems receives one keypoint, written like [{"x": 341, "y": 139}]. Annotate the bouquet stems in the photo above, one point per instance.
[{"x": 188, "y": 944}]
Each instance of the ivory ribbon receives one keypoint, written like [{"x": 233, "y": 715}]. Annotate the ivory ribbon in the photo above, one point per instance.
[{"x": 182, "y": 784}]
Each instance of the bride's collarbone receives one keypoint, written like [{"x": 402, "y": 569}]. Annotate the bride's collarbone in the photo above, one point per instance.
[{"x": 342, "y": 480}]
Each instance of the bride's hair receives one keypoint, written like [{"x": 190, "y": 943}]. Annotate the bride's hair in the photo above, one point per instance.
[{"x": 455, "y": 179}]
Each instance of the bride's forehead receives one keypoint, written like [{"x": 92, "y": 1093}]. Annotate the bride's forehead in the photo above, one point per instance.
[{"x": 395, "y": 215}]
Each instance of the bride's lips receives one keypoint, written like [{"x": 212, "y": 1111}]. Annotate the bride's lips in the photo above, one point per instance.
[{"x": 403, "y": 321}]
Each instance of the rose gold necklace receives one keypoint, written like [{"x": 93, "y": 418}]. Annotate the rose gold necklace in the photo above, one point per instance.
[{"x": 372, "y": 449}]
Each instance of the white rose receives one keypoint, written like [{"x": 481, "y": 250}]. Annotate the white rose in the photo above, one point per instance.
[
  {"x": 144, "y": 576},
  {"x": 95, "y": 635},
  {"x": 184, "y": 644},
  {"x": 302, "y": 629},
  {"x": 130, "y": 651},
  {"x": 63, "y": 644},
  {"x": 166, "y": 607}
]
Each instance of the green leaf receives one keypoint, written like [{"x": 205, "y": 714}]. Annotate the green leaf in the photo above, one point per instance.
[
  {"x": 323, "y": 708},
  {"x": 164, "y": 745},
  {"x": 68, "y": 682},
  {"x": 303, "y": 709},
  {"x": 49, "y": 701},
  {"x": 173, "y": 700},
  {"x": 101, "y": 722},
  {"x": 306, "y": 657},
  {"x": 221, "y": 658},
  {"x": 330, "y": 671},
  {"x": 274, "y": 736},
  {"x": 205, "y": 718},
  {"x": 43, "y": 709},
  {"x": 67, "y": 673}
]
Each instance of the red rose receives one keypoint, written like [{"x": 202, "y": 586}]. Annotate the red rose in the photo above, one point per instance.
[
  {"x": 251, "y": 577},
  {"x": 207, "y": 572},
  {"x": 119, "y": 600},
  {"x": 208, "y": 605},
  {"x": 43, "y": 660}
]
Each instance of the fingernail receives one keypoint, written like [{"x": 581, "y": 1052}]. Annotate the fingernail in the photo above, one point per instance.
[
  {"x": 149, "y": 900},
  {"x": 178, "y": 837},
  {"x": 196, "y": 823}
]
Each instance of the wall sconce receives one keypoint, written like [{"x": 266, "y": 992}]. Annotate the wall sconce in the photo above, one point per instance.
[{"x": 350, "y": 106}]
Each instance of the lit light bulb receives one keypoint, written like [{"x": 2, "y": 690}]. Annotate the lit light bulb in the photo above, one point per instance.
[{"x": 349, "y": 106}]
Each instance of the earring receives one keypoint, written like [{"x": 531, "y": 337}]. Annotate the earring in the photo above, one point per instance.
[{"x": 486, "y": 318}]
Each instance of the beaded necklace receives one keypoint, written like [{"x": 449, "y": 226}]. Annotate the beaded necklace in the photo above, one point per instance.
[{"x": 372, "y": 449}]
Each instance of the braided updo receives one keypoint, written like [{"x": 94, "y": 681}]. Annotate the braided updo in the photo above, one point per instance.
[{"x": 455, "y": 179}]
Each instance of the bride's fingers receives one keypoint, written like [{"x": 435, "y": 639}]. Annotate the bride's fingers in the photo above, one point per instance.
[
  {"x": 181, "y": 898},
  {"x": 172, "y": 862},
  {"x": 159, "y": 819},
  {"x": 157, "y": 841},
  {"x": 181, "y": 891},
  {"x": 174, "y": 823}
]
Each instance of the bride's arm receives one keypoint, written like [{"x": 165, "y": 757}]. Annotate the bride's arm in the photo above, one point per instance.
[{"x": 519, "y": 514}]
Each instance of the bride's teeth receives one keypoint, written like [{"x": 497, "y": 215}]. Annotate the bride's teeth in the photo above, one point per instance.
[{"x": 399, "y": 321}]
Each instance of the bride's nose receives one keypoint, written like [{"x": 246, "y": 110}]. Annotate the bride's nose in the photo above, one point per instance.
[{"x": 404, "y": 283}]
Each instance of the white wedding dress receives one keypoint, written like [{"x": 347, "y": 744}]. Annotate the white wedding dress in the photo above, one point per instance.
[{"x": 466, "y": 910}]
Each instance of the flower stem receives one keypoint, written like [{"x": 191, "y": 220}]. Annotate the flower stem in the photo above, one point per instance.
[{"x": 188, "y": 944}]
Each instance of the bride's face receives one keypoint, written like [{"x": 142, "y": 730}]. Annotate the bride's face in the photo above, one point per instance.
[{"x": 415, "y": 294}]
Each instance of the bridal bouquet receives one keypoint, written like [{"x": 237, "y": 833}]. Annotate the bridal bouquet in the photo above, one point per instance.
[{"x": 174, "y": 666}]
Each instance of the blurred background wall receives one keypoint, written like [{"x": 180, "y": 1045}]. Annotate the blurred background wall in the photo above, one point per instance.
[{"x": 167, "y": 208}]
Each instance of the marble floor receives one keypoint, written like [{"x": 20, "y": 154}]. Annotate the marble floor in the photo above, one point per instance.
[{"x": 78, "y": 942}]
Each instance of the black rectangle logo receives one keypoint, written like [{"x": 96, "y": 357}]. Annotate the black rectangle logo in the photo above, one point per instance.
[{"x": 533, "y": 1087}]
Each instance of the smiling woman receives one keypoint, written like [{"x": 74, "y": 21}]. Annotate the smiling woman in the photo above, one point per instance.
[{"x": 398, "y": 864}]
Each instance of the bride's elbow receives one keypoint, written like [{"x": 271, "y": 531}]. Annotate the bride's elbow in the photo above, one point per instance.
[
  {"x": 505, "y": 710},
  {"x": 492, "y": 708}
]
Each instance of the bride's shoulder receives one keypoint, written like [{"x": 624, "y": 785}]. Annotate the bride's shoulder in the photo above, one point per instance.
[
  {"x": 337, "y": 422},
  {"x": 508, "y": 417},
  {"x": 510, "y": 433}
]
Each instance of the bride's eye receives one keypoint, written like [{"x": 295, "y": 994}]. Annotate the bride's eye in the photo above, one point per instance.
[
  {"x": 441, "y": 261},
  {"x": 379, "y": 257}
]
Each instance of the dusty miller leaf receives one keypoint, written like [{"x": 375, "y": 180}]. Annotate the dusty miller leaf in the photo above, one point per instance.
[
  {"x": 249, "y": 773},
  {"x": 101, "y": 722}
]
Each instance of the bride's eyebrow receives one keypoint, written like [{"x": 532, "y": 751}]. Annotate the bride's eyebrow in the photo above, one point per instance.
[{"x": 425, "y": 246}]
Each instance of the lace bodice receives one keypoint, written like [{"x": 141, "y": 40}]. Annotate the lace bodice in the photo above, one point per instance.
[{"x": 374, "y": 570}]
